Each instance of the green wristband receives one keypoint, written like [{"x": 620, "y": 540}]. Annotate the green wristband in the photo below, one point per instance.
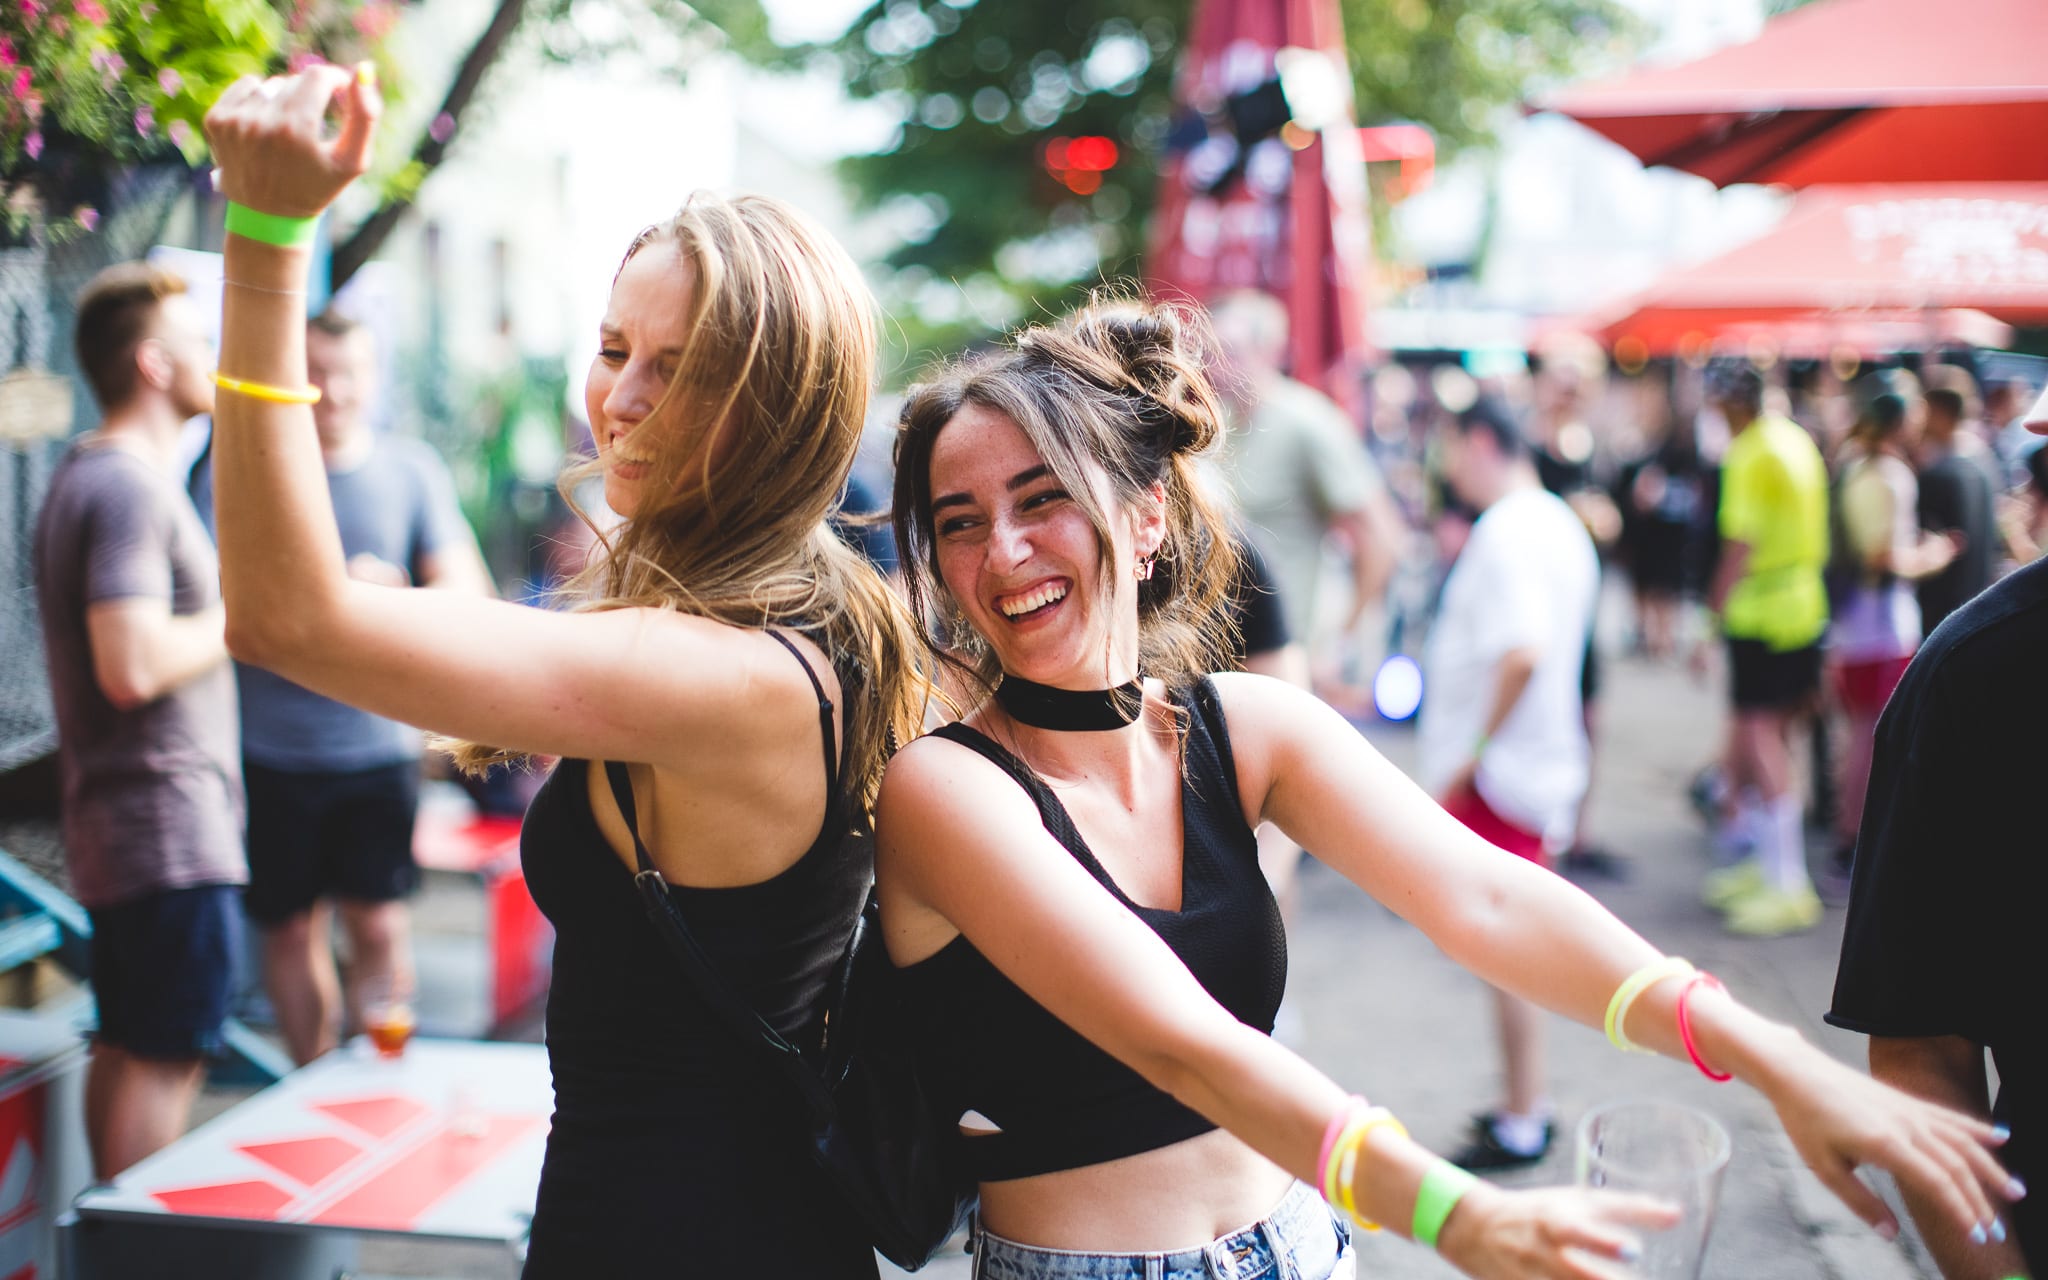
[
  {"x": 269, "y": 228},
  {"x": 1442, "y": 1187}
]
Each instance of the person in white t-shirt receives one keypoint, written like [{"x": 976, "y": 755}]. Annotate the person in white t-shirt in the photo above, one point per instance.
[{"x": 1503, "y": 734}]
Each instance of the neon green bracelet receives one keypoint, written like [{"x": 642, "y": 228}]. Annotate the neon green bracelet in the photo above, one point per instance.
[
  {"x": 1442, "y": 1187},
  {"x": 270, "y": 228}
]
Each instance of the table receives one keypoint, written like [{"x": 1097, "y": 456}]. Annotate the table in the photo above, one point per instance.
[{"x": 442, "y": 1143}]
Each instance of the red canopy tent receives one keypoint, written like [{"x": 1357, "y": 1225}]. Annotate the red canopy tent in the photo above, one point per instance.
[
  {"x": 1858, "y": 253},
  {"x": 1846, "y": 91},
  {"x": 1263, "y": 185}
]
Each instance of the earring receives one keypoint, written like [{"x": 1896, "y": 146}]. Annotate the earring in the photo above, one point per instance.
[{"x": 1144, "y": 569}]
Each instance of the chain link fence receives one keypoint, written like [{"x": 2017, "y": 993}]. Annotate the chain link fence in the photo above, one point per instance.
[{"x": 43, "y": 401}]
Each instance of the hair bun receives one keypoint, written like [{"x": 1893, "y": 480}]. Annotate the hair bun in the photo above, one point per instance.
[{"x": 1155, "y": 355}]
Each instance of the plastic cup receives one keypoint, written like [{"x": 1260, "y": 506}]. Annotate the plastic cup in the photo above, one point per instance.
[
  {"x": 387, "y": 1013},
  {"x": 1662, "y": 1149}
]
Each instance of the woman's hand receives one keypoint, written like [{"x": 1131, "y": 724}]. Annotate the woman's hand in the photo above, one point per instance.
[
  {"x": 1839, "y": 1118},
  {"x": 269, "y": 138},
  {"x": 1550, "y": 1233}
]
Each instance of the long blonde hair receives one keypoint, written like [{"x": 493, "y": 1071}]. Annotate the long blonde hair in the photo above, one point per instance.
[{"x": 753, "y": 441}]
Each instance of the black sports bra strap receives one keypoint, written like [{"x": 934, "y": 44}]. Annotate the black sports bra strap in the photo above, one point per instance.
[
  {"x": 834, "y": 767},
  {"x": 622, "y": 795}
]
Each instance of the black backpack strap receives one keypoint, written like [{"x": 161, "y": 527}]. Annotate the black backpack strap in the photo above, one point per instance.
[{"x": 718, "y": 995}]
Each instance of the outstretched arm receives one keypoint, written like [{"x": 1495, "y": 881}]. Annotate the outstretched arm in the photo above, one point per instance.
[
  {"x": 956, "y": 836},
  {"x": 1532, "y": 933}
]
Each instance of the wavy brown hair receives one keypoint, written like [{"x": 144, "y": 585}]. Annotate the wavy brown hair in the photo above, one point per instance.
[
  {"x": 752, "y": 443},
  {"x": 1116, "y": 387}
]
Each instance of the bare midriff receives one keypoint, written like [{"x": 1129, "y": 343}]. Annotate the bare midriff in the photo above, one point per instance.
[{"x": 1175, "y": 1198}]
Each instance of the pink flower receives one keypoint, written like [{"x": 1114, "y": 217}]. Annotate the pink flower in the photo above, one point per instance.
[
  {"x": 169, "y": 81},
  {"x": 21, "y": 82},
  {"x": 33, "y": 144},
  {"x": 300, "y": 61},
  {"x": 7, "y": 58},
  {"x": 31, "y": 9},
  {"x": 180, "y": 132},
  {"x": 87, "y": 216},
  {"x": 145, "y": 120},
  {"x": 90, "y": 11}
]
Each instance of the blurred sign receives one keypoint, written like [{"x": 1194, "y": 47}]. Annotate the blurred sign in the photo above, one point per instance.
[{"x": 34, "y": 406}]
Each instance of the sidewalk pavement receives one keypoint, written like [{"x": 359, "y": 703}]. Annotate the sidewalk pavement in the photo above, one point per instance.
[{"x": 1389, "y": 1016}]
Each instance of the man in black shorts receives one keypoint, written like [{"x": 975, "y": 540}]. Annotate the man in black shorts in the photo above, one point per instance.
[
  {"x": 1940, "y": 958},
  {"x": 129, "y": 592},
  {"x": 333, "y": 790}
]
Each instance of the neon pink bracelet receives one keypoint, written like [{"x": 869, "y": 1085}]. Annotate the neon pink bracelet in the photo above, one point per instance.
[
  {"x": 1692, "y": 1048},
  {"x": 1333, "y": 1131}
]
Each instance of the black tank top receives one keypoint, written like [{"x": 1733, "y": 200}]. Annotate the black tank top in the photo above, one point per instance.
[
  {"x": 672, "y": 1152},
  {"x": 983, "y": 1045}
]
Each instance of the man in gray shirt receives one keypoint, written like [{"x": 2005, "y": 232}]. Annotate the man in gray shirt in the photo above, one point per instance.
[
  {"x": 333, "y": 790},
  {"x": 129, "y": 591}
]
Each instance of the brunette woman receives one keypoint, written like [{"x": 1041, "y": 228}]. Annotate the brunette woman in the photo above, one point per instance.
[
  {"x": 1079, "y": 851},
  {"x": 726, "y": 647}
]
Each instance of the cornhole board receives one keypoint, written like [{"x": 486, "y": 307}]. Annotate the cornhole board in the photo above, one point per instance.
[
  {"x": 442, "y": 1143},
  {"x": 43, "y": 1157}
]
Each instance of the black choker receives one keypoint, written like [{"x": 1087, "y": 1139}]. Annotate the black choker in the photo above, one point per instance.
[{"x": 1043, "y": 707}]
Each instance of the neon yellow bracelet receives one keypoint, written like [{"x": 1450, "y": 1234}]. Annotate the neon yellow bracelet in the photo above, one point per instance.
[
  {"x": 265, "y": 392},
  {"x": 1343, "y": 1173},
  {"x": 1442, "y": 1187},
  {"x": 1630, "y": 989},
  {"x": 272, "y": 228}
]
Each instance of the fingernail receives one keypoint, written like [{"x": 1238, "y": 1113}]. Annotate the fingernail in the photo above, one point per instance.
[
  {"x": 366, "y": 74},
  {"x": 1978, "y": 1235},
  {"x": 1997, "y": 1231},
  {"x": 1630, "y": 1251},
  {"x": 1888, "y": 1231},
  {"x": 2000, "y": 1132},
  {"x": 2015, "y": 1188}
]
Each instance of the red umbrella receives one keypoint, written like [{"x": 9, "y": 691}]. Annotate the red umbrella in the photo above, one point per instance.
[
  {"x": 1847, "y": 251},
  {"x": 1263, "y": 185},
  {"x": 1846, "y": 91}
]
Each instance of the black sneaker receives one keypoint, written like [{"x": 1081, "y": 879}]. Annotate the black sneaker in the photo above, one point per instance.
[
  {"x": 1485, "y": 1153},
  {"x": 1595, "y": 863}
]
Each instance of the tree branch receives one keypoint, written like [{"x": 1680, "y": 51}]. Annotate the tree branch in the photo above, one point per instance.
[{"x": 362, "y": 243}]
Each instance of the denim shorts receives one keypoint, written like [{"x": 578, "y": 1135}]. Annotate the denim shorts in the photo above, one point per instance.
[{"x": 1300, "y": 1240}]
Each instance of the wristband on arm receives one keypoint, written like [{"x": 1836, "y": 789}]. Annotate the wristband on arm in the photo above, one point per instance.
[{"x": 271, "y": 228}]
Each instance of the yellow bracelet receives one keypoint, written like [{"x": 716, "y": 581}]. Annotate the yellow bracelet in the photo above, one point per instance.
[
  {"x": 265, "y": 392},
  {"x": 1633, "y": 987},
  {"x": 1347, "y": 1153}
]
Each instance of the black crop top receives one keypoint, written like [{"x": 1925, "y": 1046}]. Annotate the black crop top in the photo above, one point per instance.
[{"x": 985, "y": 1046}]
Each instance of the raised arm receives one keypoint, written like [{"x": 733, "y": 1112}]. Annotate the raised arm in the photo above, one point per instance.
[
  {"x": 1533, "y": 933},
  {"x": 956, "y": 837},
  {"x": 630, "y": 684}
]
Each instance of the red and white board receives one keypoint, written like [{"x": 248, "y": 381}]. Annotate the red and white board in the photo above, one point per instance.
[{"x": 444, "y": 1142}]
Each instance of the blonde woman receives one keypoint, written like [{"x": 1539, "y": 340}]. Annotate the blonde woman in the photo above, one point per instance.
[
  {"x": 716, "y": 659},
  {"x": 1075, "y": 863}
]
